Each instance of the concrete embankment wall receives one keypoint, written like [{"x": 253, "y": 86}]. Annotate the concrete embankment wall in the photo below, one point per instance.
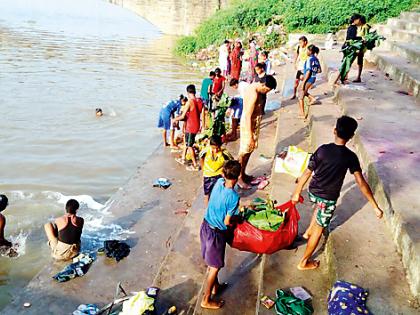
[{"x": 176, "y": 17}]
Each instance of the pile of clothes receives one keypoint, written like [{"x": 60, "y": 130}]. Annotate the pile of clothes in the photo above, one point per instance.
[
  {"x": 115, "y": 249},
  {"x": 77, "y": 268}
]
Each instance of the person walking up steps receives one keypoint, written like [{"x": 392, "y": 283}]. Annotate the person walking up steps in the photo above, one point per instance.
[
  {"x": 300, "y": 58},
  {"x": 214, "y": 233},
  {"x": 329, "y": 165}
]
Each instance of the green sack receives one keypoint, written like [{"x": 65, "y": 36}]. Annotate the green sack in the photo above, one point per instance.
[
  {"x": 287, "y": 304},
  {"x": 268, "y": 220}
]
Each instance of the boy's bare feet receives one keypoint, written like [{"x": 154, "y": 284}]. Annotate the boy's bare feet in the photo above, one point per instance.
[
  {"x": 293, "y": 97},
  {"x": 211, "y": 304},
  {"x": 308, "y": 265},
  {"x": 357, "y": 80},
  {"x": 219, "y": 288},
  {"x": 243, "y": 185}
]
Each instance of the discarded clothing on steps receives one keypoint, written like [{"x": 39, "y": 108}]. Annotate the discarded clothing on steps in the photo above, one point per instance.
[
  {"x": 87, "y": 309},
  {"x": 115, "y": 249},
  {"x": 287, "y": 304},
  {"x": 139, "y": 304},
  {"x": 162, "y": 182},
  {"x": 346, "y": 298},
  {"x": 77, "y": 268}
]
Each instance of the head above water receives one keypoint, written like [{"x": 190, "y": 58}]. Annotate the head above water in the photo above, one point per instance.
[
  {"x": 267, "y": 84},
  {"x": 191, "y": 89},
  {"x": 345, "y": 128},
  {"x": 71, "y": 206},
  {"x": 4, "y": 202},
  {"x": 231, "y": 170},
  {"x": 99, "y": 112}
]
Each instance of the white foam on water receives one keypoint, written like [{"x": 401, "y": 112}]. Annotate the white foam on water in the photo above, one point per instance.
[
  {"x": 20, "y": 195},
  {"x": 112, "y": 113},
  {"x": 86, "y": 200},
  {"x": 19, "y": 245}
]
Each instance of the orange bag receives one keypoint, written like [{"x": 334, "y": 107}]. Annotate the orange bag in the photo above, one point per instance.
[{"x": 248, "y": 238}]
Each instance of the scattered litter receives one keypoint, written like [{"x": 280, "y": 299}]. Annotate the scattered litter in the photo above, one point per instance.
[
  {"x": 171, "y": 310},
  {"x": 256, "y": 181},
  {"x": 265, "y": 158},
  {"x": 162, "y": 182},
  {"x": 402, "y": 92},
  {"x": 300, "y": 293},
  {"x": 78, "y": 268},
  {"x": 387, "y": 75},
  {"x": 356, "y": 87},
  {"x": 152, "y": 292},
  {"x": 288, "y": 304},
  {"x": 27, "y": 304},
  {"x": 87, "y": 309},
  {"x": 140, "y": 303},
  {"x": 267, "y": 302},
  {"x": 181, "y": 211},
  {"x": 263, "y": 184},
  {"x": 383, "y": 151},
  {"x": 359, "y": 118},
  {"x": 115, "y": 249},
  {"x": 349, "y": 297},
  {"x": 294, "y": 163}
]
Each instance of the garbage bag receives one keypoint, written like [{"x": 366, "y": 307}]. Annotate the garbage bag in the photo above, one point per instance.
[
  {"x": 247, "y": 237},
  {"x": 287, "y": 304}
]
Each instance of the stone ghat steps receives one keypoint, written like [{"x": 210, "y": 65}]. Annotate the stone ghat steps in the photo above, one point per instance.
[
  {"x": 393, "y": 33},
  {"x": 404, "y": 24},
  {"x": 386, "y": 147},
  {"x": 410, "y": 51}
]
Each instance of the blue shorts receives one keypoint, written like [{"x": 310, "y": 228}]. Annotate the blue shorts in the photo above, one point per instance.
[
  {"x": 213, "y": 245},
  {"x": 237, "y": 106},
  {"x": 164, "y": 119}
]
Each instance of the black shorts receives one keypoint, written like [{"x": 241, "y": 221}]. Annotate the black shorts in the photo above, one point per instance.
[
  {"x": 360, "y": 56},
  {"x": 298, "y": 74},
  {"x": 208, "y": 184},
  {"x": 190, "y": 139}
]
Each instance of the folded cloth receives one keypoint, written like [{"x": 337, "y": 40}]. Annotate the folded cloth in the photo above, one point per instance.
[
  {"x": 116, "y": 249},
  {"x": 87, "y": 309},
  {"x": 346, "y": 298},
  {"x": 78, "y": 268},
  {"x": 162, "y": 182}
]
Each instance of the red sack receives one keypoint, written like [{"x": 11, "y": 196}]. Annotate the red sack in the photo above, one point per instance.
[{"x": 247, "y": 237}]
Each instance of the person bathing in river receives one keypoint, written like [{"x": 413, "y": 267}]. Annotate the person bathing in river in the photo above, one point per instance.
[
  {"x": 166, "y": 120},
  {"x": 64, "y": 234},
  {"x": 4, "y": 202},
  {"x": 98, "y": 112},
  {"x": 250, "y": 124}
]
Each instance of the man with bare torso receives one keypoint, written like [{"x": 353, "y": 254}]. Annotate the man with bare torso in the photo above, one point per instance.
[{"x": 254, "y": 100}]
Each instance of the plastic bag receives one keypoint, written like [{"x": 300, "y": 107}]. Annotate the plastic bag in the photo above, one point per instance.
[
  {"x": 295, "y": 162},
  {"x": 247, "y": 237},
  {"x": 287, "y": 304}
]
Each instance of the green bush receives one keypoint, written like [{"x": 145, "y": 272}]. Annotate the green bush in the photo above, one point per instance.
[{"x": 315, "y": 16}]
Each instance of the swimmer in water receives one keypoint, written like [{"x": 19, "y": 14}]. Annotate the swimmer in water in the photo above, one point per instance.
[
  {"x": 99, "y": 112},
  {"x": 4, "y": 202}
]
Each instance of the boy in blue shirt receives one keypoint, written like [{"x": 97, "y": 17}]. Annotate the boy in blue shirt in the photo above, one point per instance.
[
  {"x": 311, "y": 68},
  {"x": 223, "y": 204},
  {"x": 166, "y": 114}
]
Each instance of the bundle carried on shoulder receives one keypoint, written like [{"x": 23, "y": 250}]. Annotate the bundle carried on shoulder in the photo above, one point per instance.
[{"x": 266, "y": 228}]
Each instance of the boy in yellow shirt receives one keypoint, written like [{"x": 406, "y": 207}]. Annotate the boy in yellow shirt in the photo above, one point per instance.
[{"x": 212, "y": 159}]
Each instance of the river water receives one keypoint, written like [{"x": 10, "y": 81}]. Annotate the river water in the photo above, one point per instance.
[{"x": 59, "y": 60}]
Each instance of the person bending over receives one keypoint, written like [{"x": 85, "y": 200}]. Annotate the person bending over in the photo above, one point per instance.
[
  {"x": 64, "y": 234},
  {"x": 329, "y": 165}
]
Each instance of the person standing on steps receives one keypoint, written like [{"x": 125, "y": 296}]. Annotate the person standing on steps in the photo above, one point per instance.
[
  {"x": 224, "y": 56},
  {"x": 192, "y": 112},
  {"x": 236, "y": 61},
  {"x": 300, "y": 58},
  {"x": 64, "y": 235},
  {"x": 250, "y": 123},
  {"x": 355, "y": 22},
  {"x": 215, "y": 233},
  {"x": 329, "y": 165}
]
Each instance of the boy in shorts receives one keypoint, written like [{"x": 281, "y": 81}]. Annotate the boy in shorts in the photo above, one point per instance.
[
  {"x": 212, "y": 158},
  {"x": 4, "y": 202},
  {"x": 329, "y": 165},
  {"x": 300, "y": 58},
  {"x": 214, "y": 234}
]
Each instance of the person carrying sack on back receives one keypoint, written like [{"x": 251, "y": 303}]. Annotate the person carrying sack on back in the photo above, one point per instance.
[{"x": 64, "y": 235}]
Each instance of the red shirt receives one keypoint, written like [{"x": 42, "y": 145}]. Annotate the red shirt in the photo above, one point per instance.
[
  {"x": 193, "y": 119},
  {"x": 217, "y": 84}
]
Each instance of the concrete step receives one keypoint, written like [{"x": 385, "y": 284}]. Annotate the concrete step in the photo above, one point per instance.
[
  {"x": 387, "y": 148},
  {"x": 404, "y": 24},
  {"x": 409, "y": 51},
  {"x": 396, "y": 34},
  {"x": 411, "y": 16},
  {"x": 280, "y": 270},
  {"x": 358, "y": 242},
  {"x": 397, "y": 68}
]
